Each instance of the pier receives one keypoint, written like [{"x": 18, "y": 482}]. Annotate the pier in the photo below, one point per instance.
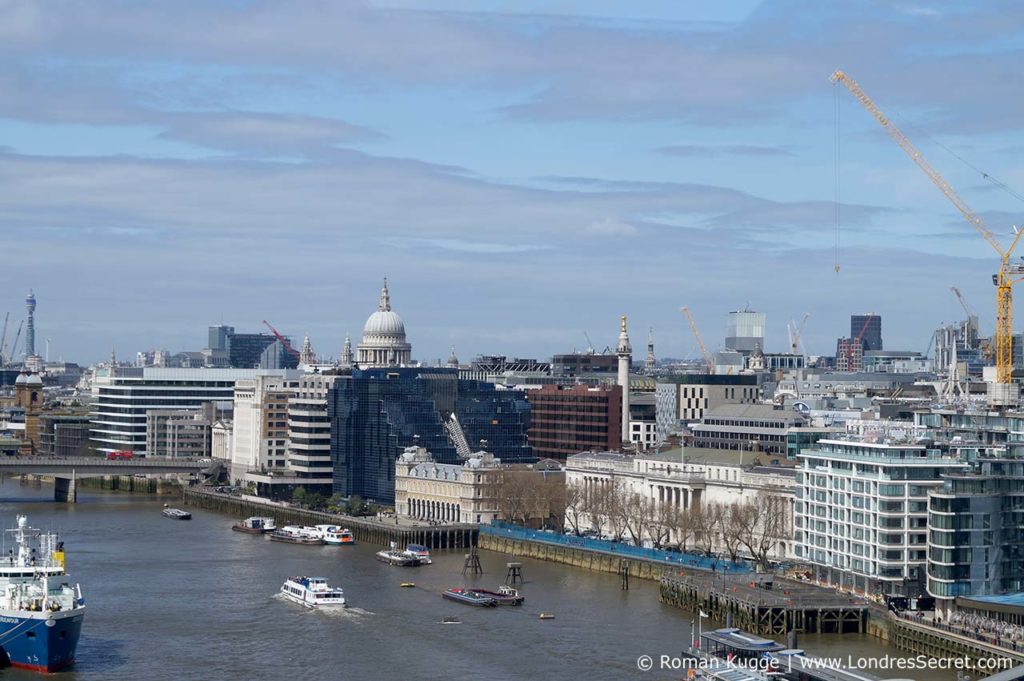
[
  {"x": 919, "y": 636},
  {"x": 764, "y": 604},
  {"x": 365, "y": 530}
]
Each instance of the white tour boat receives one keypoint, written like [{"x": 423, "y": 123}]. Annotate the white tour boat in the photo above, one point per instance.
[
  {"x": 313, "y": 592},
  {"x": 335, "y": 536}
]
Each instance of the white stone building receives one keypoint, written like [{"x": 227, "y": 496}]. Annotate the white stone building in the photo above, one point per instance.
[
  {"x": 260, "y": 435},
  {"x": 686, "y": 479},
  {"x": 446, "y": 493}
]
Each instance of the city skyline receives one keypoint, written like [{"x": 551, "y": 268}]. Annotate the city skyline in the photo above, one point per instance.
[{"x": 162, "y": 174}]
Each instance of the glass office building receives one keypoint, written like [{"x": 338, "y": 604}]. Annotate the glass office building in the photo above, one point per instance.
[{"x": 375, "y": 414}]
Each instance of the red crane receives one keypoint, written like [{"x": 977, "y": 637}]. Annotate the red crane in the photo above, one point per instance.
[
  {"x": 284, "y": 341},
  {"x": 858, "y": 341}
]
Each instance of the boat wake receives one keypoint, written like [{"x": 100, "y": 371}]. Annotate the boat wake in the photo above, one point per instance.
[{"x": 345, "y": 613}]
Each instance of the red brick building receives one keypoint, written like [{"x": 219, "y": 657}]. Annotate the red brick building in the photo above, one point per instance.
[{"x": 567, "y": 420}]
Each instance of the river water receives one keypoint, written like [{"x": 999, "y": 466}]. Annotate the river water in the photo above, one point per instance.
[{"x": 194, "y": 600}]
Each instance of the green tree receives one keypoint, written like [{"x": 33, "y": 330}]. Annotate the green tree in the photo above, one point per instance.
[
  {"x": 355, "y": 505},
  {"x": 299, "y": 495}
]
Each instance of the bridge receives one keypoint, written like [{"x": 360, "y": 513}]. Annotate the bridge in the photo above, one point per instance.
[{"x": 65, "y": 470}]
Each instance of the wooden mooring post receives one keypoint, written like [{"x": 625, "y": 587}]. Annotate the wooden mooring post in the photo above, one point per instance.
[{"x": 472, "y": 563}]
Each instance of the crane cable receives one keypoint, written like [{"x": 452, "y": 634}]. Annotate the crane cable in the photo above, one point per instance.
[
  {"x": 836, "y": 175},
  {"x": 994, "y": 180}
]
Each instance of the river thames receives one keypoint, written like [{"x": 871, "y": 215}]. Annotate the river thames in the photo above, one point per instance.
[{"x": 194, "y": 600}]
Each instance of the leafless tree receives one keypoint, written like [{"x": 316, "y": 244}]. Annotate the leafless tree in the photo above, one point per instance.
[
  {"x": 609, "y": 505},
  {"x": 523, "y": 496},
  {"x": 680, "y": 524},
  {"x": 662, "y": 521},
  {"x": 704, "y": 521},
  {"x": 728, "y": 530},
  {"x": 575, "y": 505},
  {"x": 761, "y": 522}
]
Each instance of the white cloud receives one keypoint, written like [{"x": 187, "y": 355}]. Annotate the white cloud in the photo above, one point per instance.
[{"x": 610, "y": 227}]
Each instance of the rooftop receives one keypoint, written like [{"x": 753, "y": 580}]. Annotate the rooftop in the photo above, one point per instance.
[{"x": 752, "y": 411}]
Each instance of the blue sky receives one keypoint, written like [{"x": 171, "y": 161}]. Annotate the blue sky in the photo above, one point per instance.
[{"x": 523, "y": 172}]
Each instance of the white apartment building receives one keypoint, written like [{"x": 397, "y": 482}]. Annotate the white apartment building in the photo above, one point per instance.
[
  {"x": 307, "y": 451},
  {"x": 123, "y": 395},
  {"x": 862, "y": 511}
]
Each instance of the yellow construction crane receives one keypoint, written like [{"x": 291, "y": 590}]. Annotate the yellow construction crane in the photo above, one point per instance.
[
  {"x": 696, "y": 334},
  {"x": 1009, "y": 273}
]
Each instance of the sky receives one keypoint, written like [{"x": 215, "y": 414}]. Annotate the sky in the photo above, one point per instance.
[{"x": 522, "y": 172}]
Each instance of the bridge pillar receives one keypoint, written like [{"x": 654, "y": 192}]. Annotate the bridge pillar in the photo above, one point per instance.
[{"x": 65, "y": 489}]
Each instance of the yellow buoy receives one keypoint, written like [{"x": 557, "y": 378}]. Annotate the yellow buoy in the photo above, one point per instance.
[
  {"x": 547, "y": 616},
  {"x": 406, "y": 585}
]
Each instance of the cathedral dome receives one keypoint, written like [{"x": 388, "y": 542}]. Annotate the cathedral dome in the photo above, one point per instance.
[
  {"x": 384, "y": 342},
  {"x": 384, "y": 323}
]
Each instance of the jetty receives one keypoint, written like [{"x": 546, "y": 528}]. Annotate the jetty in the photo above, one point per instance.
[{"x": 765, "y": 604}]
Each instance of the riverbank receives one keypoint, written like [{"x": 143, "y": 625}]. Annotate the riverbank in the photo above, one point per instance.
[
  {"x": 366, "y": 530},
  {"x": 586, "y": 558}
]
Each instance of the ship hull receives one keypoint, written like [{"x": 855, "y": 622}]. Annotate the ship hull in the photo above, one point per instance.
[{"x": 29, "y": 641}]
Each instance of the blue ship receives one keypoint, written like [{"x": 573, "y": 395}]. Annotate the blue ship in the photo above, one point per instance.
[{"x": 41, "y": 611}]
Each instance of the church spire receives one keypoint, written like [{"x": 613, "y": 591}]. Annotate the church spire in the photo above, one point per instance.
[
  {"x": 385, "y": 297},
  {"x": 651, "y": 360},
  {"x": 306, "y": 355},
  {"x": 346, "y": 352}
]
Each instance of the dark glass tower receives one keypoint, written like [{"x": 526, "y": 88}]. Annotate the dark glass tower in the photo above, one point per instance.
[
  {"x": 376, "y": 413},
  {"x": 867, "y": 327}
]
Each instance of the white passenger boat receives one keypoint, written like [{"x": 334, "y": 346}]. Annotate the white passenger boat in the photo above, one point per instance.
[
  {"x": 313, "y": 592},
  {"x": 294, "y": 534},
  {"x": 255, "y": 525},
  {"x": 335, "y": 536}
]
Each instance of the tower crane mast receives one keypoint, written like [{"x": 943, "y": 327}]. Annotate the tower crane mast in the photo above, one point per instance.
[
  {"x": 696, "y": 334},
  {"x": 795, "y": 333},
  {"x": 14, "y": 345},
  {"x": 3, "y": 342},
  {"x": 1009, "y": 273}
]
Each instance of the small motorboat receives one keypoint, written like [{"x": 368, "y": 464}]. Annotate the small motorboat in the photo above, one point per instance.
[
  {"x": 292, "y": 534},
  {"x": 255, "y": 525},
  {"x": 469, "y": 597},
  {"x": 422, "y": 551},
  {"x": 313, "y": 592},
  {"x": 399, "y": 558},
  {"x": 175, "y": 514},
  {"x": 450, "y": 619},
  {"x": 505, "y": 595},
  {"x": 407, "y": 585},
  {"x": 547, "y": 616}
]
